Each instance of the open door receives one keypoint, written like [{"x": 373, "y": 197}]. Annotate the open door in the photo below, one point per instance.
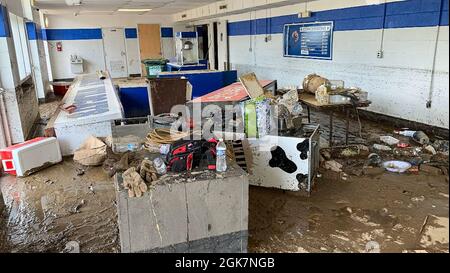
[
  {"x": 222, "y": 45},
  {"x": 149, "y": 42}
]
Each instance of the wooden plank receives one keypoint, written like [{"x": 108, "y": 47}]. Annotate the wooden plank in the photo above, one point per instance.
[
  {"x": 252, "y": 85},
  {"x": 165, "y": 94},
  {"x": 149, "y": 42},
  {"x": 49, "y": 130}
]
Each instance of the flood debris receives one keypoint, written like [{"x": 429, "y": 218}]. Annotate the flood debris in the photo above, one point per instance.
[
  {"x": 80, "y": 172},
  {"x": 49, "y": 182},
  {"x": 417, "y": 136},
  {"x": 333, "y": 166},
  {"x": 72, "y": 247},
  {"x": 380, "y": 147},
  {"x": 77, "y": 207},
  {"x": 133, "y": 182},
  {"x": 389, "y": 140},
  {"x": 91, "y": 153}
]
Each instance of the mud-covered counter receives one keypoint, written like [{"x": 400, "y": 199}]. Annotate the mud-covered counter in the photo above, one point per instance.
[{"x": 201, "y": 212}]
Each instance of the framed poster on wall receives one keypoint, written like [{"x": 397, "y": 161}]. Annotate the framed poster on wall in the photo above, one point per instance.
[{"x": 309, "y": 40}]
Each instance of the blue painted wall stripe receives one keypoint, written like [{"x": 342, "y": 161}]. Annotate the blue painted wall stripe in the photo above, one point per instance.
[
  {"x": 187, "y": 34},
  {"x": 167, "y": 32},
  {"x": 4, "y": 22},
  {"x": 92, "y": 34},
  {"x": 131, "y": 33},
  {"x": 411, "y": 13},
  {"x": 32, "y": 31},
  {"x": 74, "y": 34}
]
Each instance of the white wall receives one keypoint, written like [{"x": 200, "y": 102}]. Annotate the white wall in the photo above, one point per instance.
[
  {"x": 398, "y": 84},
  {"x": 92, "y": 50}
]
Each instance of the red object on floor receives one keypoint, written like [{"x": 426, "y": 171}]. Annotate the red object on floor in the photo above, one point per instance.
[{"x": 61, "y": 88}]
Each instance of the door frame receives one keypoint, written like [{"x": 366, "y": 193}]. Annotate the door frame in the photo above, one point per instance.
[{"x": 124, "y": 44}]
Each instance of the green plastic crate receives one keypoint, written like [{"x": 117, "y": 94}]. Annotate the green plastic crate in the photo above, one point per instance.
[{"x": 154, "y": 67}]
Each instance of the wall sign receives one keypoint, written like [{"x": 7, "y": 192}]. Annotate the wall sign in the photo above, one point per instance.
[{"x": 309, "y": 40}]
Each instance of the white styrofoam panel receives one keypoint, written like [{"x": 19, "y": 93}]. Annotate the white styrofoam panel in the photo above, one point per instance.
[{"x": 93, "y": 120}]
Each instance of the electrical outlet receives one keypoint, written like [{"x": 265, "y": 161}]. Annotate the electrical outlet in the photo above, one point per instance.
[
  {"x": 380, "y": 54},
  {"x": 429, "y": 104}
]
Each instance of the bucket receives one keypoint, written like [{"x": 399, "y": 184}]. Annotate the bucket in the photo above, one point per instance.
[{"x": 61, "y": 88}]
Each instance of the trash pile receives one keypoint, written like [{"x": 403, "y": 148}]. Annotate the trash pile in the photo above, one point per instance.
[{"x": 405, "y": 151}]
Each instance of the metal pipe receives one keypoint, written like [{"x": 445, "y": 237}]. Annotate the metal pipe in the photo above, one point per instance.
[{"x": 433, "y": 67}]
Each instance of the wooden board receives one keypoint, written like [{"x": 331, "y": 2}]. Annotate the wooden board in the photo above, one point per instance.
[
  {"x": 166, "y": 93},
  {"x": 231, "y": 93},
  {"x": 252, "y": 85},
  {"x": 149, "y": 42}
]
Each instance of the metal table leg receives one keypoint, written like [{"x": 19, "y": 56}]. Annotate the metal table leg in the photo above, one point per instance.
[
  {"x": 309, "y": 114},
  {"x": 348, "y": 126},
  {"x": 331, "y": 129}
]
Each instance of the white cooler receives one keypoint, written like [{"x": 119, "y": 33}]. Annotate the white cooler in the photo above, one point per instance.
[{"x": 25, "y": 158}]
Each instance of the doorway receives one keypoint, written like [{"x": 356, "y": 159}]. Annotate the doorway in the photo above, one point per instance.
[
  {"x": 115, "y": 52},
  {"x": 218, "y": 50},
  {"x": 149, "y": 42}
]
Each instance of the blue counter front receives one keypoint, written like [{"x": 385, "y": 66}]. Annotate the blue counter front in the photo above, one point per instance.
[
  {"x": 133, "y": 94},
  {"x": 204, "y": 81}
]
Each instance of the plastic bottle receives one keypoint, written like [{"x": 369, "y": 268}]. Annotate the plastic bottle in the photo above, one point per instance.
[
  {"x": 221, "y": 163},
  {"x": 164, "y": 149},
  {"x": 160, "y": 166}
]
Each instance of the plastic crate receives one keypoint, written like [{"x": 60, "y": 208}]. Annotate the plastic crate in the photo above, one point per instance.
[{"x": 154, "y": 67}]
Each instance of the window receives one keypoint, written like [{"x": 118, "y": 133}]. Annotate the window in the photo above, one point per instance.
[{"x": 21, "y": 45}]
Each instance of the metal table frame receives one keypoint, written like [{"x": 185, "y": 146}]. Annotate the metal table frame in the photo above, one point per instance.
[{"x": 310, "y": 102}]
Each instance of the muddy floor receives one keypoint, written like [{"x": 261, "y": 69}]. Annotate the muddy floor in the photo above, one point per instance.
[
  {"x": 45, "y": 211},
  {"x": 381, "y": 212}
]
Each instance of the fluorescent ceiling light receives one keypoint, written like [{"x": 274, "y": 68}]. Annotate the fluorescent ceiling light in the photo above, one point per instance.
[{"x": 134, "y": 10}]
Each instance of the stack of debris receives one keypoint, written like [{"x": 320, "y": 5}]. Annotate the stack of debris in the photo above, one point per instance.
[{"x": 405, "y": 151}]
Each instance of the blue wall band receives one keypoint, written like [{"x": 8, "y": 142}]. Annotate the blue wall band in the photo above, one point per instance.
[
  {"x": 167, "y": 32},
  {"x": 74, "y": 34},
  {"x": 131, "y": 33},
  {"x": 94, "y": 34},
  {"x": 410, "y": 13}
]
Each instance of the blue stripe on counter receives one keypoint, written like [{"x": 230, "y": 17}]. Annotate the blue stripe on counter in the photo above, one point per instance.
[
  {"x": 4, "y": 22},
  {"x": 131, "y": 33},
  {"x": 74, "y": 34},
  {"x": 410, "y": 13},
  {"x": 167, "y": 32}
]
